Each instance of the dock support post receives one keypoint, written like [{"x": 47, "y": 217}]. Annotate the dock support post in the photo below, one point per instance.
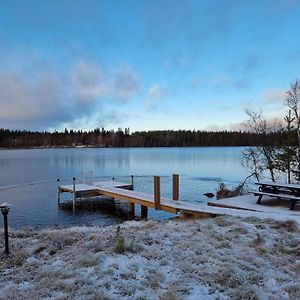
[
  {"x": 58, "y": 191},
  {"x": 157, "y": 192},
  {"x": 130, "y": 210},
  {"x": 5, "y": 210},
  {"x": 144, "y": 212},
  {"x": 132, "y": 186},
  {"x": 74, "y": 192},
  {"x": 175, "y": 184}
]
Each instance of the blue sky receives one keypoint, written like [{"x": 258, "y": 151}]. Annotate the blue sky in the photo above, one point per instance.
[{"x": 145, "y": 64}]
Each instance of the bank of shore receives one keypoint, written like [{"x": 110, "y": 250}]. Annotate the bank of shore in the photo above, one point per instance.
[{"x": 220, "y": 258}]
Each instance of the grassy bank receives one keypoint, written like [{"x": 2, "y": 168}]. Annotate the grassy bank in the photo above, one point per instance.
[{"x": 221, "y": 258}]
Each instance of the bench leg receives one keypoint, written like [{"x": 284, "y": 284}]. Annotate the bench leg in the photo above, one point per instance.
[
  {"x": 259, "y": 199},
  {"x": 293, "y": 205}
]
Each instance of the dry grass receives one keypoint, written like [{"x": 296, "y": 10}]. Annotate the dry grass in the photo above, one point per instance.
[{"x": 216, "y": 258}]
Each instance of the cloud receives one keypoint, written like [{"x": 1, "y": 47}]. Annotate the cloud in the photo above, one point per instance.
[
  {"x": 242, "y": 84},
  {"x": 217, "y": 82},
  {"x": 251, "y": 63},
  {"x": 126, "y": 84},
  {"x": 220, "y": 82},
  {"x": 24, "y": 104},
  {"x": 42, "y": 97},
  {"x": 88, "y": 82},
  {"x": 154, "y": 96},
  {"x": 274, "y": 96}
]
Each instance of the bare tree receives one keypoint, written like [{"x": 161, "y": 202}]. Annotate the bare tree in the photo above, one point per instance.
[
  {"x": 293, "y": 102},
  {"x": 252, "y": 160},
  {"x": 261, "y": 157}
]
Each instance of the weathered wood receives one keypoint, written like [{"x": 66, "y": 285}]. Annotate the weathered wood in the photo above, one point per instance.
[
  {"x": 175, "y": 184},
  {"x": 157, "y": 192},
  {"x": 292, "y": 198},
  {"x": 144, "y": 212},
  {"x": 130, "y": 206},
  {"x": 119, "y": 190},
  {"x": 132, "y": 185},
  {"x": 130, "y": 210}
]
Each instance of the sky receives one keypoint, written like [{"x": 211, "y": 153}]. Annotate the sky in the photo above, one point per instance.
[{"x": 145, "y": 64}]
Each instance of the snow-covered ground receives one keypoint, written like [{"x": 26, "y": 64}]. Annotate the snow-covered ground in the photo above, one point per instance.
[{"x": 220, "y": 258}]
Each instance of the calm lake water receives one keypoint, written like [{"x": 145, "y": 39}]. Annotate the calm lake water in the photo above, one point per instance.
[{"x": 28, "y": 179}]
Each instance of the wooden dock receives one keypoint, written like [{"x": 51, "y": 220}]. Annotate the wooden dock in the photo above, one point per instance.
[{"x": 125, "y": 192}]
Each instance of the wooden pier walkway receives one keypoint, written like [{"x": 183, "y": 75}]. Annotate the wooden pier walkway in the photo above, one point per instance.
[{"x": 125, "y": 192}]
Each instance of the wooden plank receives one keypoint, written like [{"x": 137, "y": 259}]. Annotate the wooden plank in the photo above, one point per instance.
[
  {"x": 218, "y": 204},
  {"x": 284, "y": 196},
  {"x": 280, "y": 185},
  {"x": 147, "y": 200}
]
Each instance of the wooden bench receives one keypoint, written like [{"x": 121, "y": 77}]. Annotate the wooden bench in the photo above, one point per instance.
[{"x": 279, "y": 196}]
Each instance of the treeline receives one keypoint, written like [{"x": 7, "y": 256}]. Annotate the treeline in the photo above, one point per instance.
[{"x": 161, "y": 138}]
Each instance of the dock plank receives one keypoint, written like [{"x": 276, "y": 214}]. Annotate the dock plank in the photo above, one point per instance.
[{"x": 118, "y": 190}]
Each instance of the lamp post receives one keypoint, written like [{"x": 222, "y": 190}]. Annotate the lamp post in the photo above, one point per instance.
[{"x": 4, "y": 210}]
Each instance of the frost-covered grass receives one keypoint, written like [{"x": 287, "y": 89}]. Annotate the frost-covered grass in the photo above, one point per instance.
[{"x": 221, "y": 258}]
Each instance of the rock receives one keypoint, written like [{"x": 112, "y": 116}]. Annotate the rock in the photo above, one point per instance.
[{"x": 209, "y": 195}]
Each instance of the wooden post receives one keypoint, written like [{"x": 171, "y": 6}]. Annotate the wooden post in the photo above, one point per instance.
[
  {"x": 157, "y": 192},
  {"x": 58, "y": 191},
  {"x": 130, "y": 206},
  {"x": 74, "y": 192},
  {"x": 144, "y": 212},
  {"x": 132, "y": 186},
  {"x": 175, "y": 186}
]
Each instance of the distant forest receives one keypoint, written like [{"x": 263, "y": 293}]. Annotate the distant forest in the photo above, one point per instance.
[{"x": 162, "y": 138}]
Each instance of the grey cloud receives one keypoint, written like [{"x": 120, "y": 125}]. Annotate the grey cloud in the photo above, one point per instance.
[
  {"x": 154, "y": 96},
  {"x": 88, "y": 82},
  {"x": 126, "y": 84},
  {"x": 217, "y": 82},
  {"x": 220, "y": 82},
  {"x": 242, "y": 84},
  {"x": 27, "y": 105},
  {"x": 251, "y": 63},
  {"x": 31, "y": 98},
  {"x": 273, "y": 96}
]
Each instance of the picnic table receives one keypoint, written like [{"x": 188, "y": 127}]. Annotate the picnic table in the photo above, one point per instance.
[{"x": 279, "y": 190}]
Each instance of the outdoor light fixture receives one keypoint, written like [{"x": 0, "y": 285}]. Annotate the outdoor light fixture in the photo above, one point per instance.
[{"x": 4, "y": 210}]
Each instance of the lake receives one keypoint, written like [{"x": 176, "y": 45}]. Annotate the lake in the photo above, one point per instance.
[{"x": 28, "y": 179}]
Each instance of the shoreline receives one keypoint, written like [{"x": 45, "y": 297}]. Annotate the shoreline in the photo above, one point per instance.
[{"x": 111, "y": 147}]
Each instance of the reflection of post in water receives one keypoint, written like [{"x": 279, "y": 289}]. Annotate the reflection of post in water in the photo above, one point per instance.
[
  {"x": 58, "y": 191},
  {"x": 74, "y": 194}
]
